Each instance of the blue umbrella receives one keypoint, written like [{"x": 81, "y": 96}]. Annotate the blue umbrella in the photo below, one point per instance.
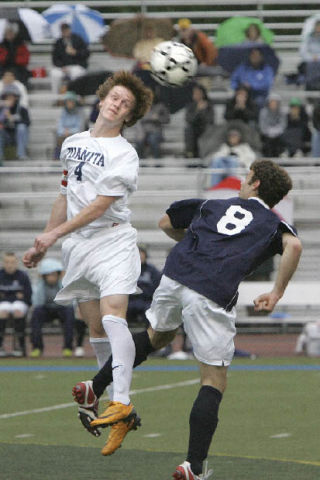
[
  {"x": 231, "y": 56},
  {"x": 87, "y": 23}
]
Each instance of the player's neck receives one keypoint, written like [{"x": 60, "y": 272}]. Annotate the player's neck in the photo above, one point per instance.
[{"x": 105, "y": 129}]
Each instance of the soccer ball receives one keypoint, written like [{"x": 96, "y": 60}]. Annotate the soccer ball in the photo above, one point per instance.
[{"x": 172, "y": 63}]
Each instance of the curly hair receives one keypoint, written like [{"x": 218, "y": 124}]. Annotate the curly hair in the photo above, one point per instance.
[
  {"x": 143, "y": 95},
  {"x": 275, "y": 182}
]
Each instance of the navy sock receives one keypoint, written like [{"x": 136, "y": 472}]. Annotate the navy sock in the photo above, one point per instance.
[
  {"x": 203, "y": 422},
  {"x": 104, "y": 376}
]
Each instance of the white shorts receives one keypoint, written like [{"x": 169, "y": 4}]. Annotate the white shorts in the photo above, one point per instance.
[
  {"x": 107, "y": 263},
  {"x": 12, "y": 306},
  {"x": 210, "y": 328}
]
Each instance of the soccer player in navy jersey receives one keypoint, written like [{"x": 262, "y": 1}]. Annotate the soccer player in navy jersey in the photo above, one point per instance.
[{"x": 219, "y": 243}]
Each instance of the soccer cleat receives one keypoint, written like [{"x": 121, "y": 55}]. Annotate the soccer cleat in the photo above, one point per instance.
[
  {"x": 84, "y": 395},
  {"x": 118, "y": 432},
  {"x": 36, "y": 353},
  {"x": 88, "y": 404},
  {"x": 115, "y": 412},
  {"x": 67, "y": 353},
  {"x": 184, "y": 472},
  {"x": 79, "y": 352}
]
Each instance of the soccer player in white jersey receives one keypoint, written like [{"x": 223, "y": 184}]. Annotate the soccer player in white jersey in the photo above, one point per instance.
[
  {"x": 219, "y": 242},
  {"x": 100, "y": 170}
]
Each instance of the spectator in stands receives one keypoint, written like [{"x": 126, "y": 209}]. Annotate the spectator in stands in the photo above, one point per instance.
[
  {"x": 242, "y": 107},
  {"x": 204, "y": 50},
  {"x": 233, "y": 153},
  {"x": 71, "y": 121},
  {"x": 315, "y": 141},
  {"x": 150, "y": 129},
  {"x": 253, "y": 34},
  {"x": 143, "y": 48},
  {"x": 272, "y": 124},
  {"x": 297, "y": 134},
  {"x": 9, "y": 79},
  {"x": 310, "y": 47},
  {"x": 45, "y": 309},
  {"x": 308, "y": 342},
  {"x": 15, "y": 300},
  {"x": 254, "y": 74},
  {"x": 69, "y": 57},
  {"x": 14, "y": 123},
  {"x": 14, "y": 53},
  {"x": 199, "y": 114},
  {"x": 148, "y": 281}
]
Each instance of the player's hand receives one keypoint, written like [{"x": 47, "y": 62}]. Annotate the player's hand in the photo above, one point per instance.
[
  {"x": 266, "y": 302},
  {"x": 32, "y": 257},
  {"x": 44, "y": 241}
]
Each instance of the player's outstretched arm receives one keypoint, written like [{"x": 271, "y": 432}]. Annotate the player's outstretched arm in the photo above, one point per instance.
[
  {"x": 58, "y": 215},
  {"x": 292, "y": 249},
  {"x": 166, "y": 226},
  {"x": 87, "y": 215}
]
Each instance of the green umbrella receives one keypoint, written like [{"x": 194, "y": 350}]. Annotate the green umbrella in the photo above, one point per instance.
[{"x": 232, "y": 31}]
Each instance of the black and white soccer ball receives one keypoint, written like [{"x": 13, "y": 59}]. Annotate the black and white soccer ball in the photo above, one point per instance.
[{"x": 173, "y": 63}]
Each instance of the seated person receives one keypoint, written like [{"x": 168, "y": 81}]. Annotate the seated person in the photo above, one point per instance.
[
  {"x": 315, "y": 141},
  {"x": 14, "y": 122},
  {"x": 272, "y": 123},
  {"x": 241, "y": 107},
  {"x": 204, "y": 50},
  {"x": 310, "y": 47},
  {"x": 71, "y": 121},
  {"x": 199, "y": 114},
  {"x": 15, "y": 300},
  {"x": 45, "y": 309},
  {"x": 148, "y": 281},
  {"x": 9, "y": 79},
  {"x": 297, "y": 135},
  {"x": 234, "y": 153},
  {"x": 254, "y": 74},
  {"x": 69, "y": 57},
  {"x": 253, "y": 34},
  {"x": 150, "y": 129},
  {"x": 14, "y": 53}
]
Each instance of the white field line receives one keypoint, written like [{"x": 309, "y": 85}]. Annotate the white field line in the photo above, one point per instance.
[{"x": 167, "y": 386}]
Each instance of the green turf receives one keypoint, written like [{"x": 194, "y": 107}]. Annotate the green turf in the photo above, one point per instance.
[{"x": 257, "y": 406}]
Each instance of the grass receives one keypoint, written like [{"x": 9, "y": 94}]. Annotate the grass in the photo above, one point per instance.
[{"x": 268, "y": 429}]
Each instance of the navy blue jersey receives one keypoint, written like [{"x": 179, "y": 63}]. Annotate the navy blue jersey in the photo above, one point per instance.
[
  {"x": 225, "y": 241},
  {"x": 12, "y": 284}
]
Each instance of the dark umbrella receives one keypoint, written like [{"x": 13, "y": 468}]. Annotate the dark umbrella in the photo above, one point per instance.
[
  {"x": 230, "y": 57},
  {"x": 124, "y": 34},
  {"x": 173, "y": 98}
]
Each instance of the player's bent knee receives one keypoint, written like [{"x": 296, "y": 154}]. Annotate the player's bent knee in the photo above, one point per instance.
[
  {"x": 214, "y": 376},
  {"x": 160, "y": 339}
]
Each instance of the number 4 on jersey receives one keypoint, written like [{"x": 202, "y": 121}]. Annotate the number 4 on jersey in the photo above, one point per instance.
[
  {"x": 234, "y": 221},
  {"x": 78, "y": 171}
]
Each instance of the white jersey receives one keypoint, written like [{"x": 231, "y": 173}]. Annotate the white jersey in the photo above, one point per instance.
[{"x": 98, "y": 166}]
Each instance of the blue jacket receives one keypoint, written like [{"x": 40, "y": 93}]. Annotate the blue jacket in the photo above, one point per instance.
[{"x": 260, "y": 80}]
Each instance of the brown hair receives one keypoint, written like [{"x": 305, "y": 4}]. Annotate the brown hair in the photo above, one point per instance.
[
  {"x": 275, "y": 182},
  {"x": 143, "y": 95}
]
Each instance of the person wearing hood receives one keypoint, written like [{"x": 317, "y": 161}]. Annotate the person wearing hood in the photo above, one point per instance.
[
  {"x": 71, "y": 121},
  {"x": 272, "y": 124},
  {"x": 233, "y": 153},
  {"x": 14, "y": 123},
  {"x": 45, "y": 309},
  {"x": 297, "y": 134}
]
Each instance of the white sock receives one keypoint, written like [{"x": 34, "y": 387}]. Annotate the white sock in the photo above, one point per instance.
[
  {"x": 102, "y": 350},
  {"x": 123, "y": 354}
]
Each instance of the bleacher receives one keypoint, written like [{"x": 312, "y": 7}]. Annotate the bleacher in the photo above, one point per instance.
[{"x": 27, "y": 189}]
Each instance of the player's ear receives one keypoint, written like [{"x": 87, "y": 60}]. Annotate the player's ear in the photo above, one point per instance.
[{"x": 256, "y": 184}]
